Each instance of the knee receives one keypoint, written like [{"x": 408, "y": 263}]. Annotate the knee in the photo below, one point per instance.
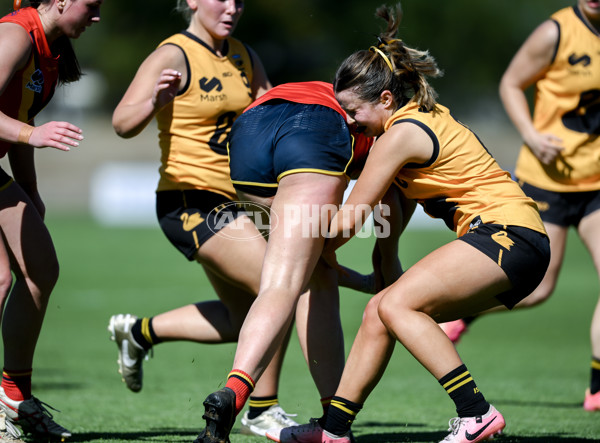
[
  {"x": 372, "y": 320},
  {"x": 6, "y": 281},
  {"x": 372, "y": 308},
  {"x": 390, "y": 307}
]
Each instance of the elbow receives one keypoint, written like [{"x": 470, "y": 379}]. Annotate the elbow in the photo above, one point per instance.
[
  {"x": 121, "y": 129},
  {"x": 504, "y": 89},
  {"x": 508, "y": 87},
  {"x": 502, "y": 86}
]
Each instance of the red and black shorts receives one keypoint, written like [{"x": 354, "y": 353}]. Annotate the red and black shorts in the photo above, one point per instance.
[{"x": 278, "y": 138}]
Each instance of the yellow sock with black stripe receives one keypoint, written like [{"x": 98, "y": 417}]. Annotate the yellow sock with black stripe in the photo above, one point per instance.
[
  {"x": 143, "y": 333},
  {"x": 461, "y": 388},
  {"x": 341, "y": 415},
  {"x": 258, "y": 405},
  {"x": 243, "y": 385},
  {"x": 595, "y": 377}
]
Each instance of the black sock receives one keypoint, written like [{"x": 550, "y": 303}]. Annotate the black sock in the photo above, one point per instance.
[
  {"x": 258, "y": 405},
  {"x": 143, "y": 333},
  {"x": 462, "y": 389},
  {"x": 470, "y": 319},
  {"x": 325, "y": 402},
  {"x": 595, "y": 377},
  {"x": 341, "y": 415}
]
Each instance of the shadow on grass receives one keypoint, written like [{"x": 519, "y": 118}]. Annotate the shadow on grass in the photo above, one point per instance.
[
  {"x": 379, "y": 424},
  {"x": 408, "y": 436},
  {"x": 541, "y": 404},
  {"x": 426, "y": 437},
  {"x": 436, "y": 436},
  {"x": 158, "y": 435},
  {"x": 545, "y": 439},
  {"x": 56, "y": 386}
]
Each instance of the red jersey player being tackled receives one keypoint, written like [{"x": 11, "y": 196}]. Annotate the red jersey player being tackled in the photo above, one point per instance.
[{"x": 292, "y": 151}]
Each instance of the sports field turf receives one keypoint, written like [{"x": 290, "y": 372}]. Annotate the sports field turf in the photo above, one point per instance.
[{"x": 533, "y": 364}]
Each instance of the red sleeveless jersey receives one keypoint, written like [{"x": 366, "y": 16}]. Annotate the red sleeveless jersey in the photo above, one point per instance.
[{"x": 32, "y": 87}]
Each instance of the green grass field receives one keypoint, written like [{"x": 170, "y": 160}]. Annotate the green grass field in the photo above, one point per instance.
[{"x": 533, "y": 364}]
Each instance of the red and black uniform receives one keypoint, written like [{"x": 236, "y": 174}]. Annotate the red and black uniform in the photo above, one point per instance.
[
  {"x": 294, "y": 127},
  {"x": 32, "y": 87}
]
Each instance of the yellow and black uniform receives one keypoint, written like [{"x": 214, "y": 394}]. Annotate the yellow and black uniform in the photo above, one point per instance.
[
  {"x": 567, "y": 105},
  {"x": 32, "y": 87},
  {"x": 193, "y": 133},
  {"x": 463, "y": 185}
]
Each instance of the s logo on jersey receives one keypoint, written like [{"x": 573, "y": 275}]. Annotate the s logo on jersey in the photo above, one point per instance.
[
  {"x": 577, "y": 59},
  {"x": 36, "y": 81},
  {"x": 209, "y": 85}
]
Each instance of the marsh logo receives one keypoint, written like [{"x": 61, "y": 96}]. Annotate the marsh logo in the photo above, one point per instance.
[
  {"x": 577, "y": 59},
  {"x": 256, "y": 214},
  {"x": 210, "y": 85}
]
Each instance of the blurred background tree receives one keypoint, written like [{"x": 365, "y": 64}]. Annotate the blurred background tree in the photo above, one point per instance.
[{"x": 473, "y": 41}]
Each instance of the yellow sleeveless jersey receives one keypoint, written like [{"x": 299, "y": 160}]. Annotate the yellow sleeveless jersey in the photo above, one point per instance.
[
  {"x": 194, "y": 128},
  {"x": 567, "y": 104},
  {"x": 461, "y": 180}
]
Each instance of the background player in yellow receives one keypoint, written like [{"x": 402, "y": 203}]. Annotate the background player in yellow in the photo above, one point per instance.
[
  {"x": 559, "y": 164},
  {"x": 196, "y": 83}
]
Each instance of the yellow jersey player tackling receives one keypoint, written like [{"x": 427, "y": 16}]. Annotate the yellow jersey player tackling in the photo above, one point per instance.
[{"x": 196, "y": 83}]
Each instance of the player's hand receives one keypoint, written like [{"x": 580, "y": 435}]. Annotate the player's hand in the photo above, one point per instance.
[
  {"x": 166, "y": 88},
  {"x": 546, "y": 147},
  {"x": 58, "y": 135}
]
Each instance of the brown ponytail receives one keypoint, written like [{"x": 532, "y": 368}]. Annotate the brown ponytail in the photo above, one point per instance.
[{"x": 390, "y": 65}]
